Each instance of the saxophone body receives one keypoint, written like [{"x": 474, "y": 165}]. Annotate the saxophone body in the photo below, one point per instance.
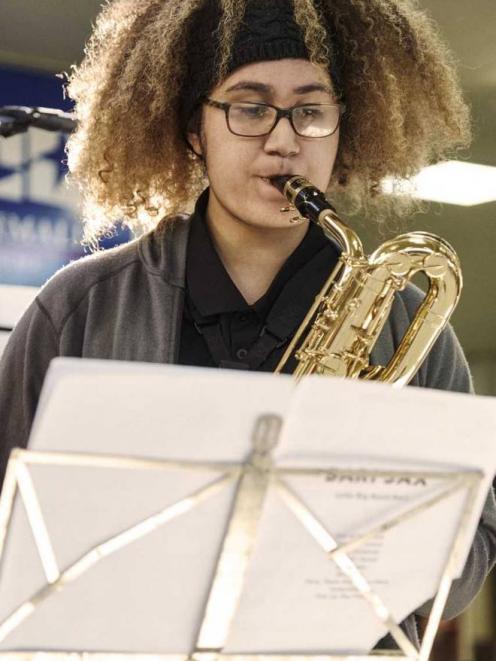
[{"x": 341, "y": 328}]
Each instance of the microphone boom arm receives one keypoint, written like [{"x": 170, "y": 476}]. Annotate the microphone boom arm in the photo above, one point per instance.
[{"x": 17, "y": 119}]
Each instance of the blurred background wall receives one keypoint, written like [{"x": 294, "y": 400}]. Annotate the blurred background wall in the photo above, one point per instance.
[{"x": 40, "y": 230}]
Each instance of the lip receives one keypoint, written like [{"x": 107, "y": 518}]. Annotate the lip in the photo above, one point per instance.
[
  {"x": 268, "y": 189},
  {"x": 269, "y": 175},
  {"x": 266, "y": 179}
]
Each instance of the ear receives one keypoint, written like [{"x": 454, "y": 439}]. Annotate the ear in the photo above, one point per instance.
[{"x": 195, "y": 144}]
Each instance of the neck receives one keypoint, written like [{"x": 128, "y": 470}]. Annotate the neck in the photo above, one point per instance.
[{"x": 252, "y": 255}]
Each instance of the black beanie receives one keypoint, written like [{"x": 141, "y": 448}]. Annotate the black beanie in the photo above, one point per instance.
[{"x": 268, "y": 31}]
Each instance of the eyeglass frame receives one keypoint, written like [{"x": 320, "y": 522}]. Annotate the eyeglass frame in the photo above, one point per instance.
[{"x": 281, "y": 112}]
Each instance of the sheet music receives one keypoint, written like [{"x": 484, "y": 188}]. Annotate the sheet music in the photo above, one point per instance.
[
  {"x": 292, "y": 580},
  {"x": 418, "y": 428}
]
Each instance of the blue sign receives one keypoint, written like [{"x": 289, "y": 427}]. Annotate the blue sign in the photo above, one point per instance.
[{"x": 40, "y": 230}]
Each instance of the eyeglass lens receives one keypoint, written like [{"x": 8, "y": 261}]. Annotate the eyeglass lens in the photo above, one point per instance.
[{"x": 250, "y": 119}]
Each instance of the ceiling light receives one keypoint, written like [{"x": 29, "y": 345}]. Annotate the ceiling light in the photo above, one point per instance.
[{"x": 453, "y": 182}]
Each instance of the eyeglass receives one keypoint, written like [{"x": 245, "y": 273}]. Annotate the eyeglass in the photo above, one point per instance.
[{"x": 253, "y": 120}]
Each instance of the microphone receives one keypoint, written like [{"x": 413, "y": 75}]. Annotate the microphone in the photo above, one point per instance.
[{"x": 17, "y": 119}]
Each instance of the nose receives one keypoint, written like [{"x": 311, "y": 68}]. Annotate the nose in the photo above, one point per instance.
[{"x": 282, "y": 140}]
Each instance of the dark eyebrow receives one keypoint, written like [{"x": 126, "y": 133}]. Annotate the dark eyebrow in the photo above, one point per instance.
[
  {"x": 262, "y": 88},
  {"x": 246, "y": 85},
  {"x": 313, "y": 87}
]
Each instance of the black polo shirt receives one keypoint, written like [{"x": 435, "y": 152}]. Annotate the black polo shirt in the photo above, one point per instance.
[{"x": 220, "y": 328}]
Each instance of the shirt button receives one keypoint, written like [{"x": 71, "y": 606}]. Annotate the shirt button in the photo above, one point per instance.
[
  {"x": 241, "y": 353},
  {"x": 242, "y": 316}
]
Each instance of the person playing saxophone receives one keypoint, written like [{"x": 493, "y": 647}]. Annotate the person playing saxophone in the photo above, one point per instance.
[{"x": 196, "y": 105}]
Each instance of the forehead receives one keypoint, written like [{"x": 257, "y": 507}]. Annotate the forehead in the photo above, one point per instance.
[{"x": 281, "y": 76}]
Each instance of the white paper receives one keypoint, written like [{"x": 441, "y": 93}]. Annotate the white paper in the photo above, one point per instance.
[
  {"x": 154, "y": 411},
  {"x": 291, "y": 571},
  {"x": 372, "y": 425}
]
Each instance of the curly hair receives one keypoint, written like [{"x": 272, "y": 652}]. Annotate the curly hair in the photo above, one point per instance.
[{"x": 405, "y": 108}]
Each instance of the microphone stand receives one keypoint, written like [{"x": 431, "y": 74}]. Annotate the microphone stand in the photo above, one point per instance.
[{"x": 17, "y": 119}]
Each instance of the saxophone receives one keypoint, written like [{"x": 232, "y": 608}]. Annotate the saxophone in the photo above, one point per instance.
[{"x": 342, "y": 326}]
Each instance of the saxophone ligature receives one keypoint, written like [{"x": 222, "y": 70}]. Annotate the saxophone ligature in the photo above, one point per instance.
[{"x": 342, "y": 326}]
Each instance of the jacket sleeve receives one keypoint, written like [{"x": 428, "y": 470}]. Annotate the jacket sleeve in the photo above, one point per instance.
[
  {"x": 31, "y": 346},
  {"x": 446, "y": 369}
]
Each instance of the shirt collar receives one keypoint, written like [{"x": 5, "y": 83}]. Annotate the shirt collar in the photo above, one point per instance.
[
  {"x": 211, "y": 289},
  {"x": 209, "y": 286}
]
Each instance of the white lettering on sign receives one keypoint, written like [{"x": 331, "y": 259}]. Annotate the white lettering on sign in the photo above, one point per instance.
[{"x": 41, "y": 231}]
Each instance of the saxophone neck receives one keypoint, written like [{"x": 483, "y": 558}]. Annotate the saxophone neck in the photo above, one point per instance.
[{"x": 347, "y": 240}]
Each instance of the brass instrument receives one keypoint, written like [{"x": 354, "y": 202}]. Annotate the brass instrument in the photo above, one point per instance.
[{"x": 350, "y": 311}]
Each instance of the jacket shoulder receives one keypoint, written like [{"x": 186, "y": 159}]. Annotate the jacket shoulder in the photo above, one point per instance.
[
  {"x": 72, "y": 283},
  {"x": 112, "y": 277}
]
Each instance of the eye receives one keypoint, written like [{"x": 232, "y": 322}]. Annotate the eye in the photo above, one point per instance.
[
  {"x": 251, "y": 111},
  {"x": 310, "y": 112}
]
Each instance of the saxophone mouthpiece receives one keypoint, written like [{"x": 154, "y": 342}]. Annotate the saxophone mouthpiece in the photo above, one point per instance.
[
  {"x": 300, "y": 193},
  {"x": 280, "y": 181}
]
